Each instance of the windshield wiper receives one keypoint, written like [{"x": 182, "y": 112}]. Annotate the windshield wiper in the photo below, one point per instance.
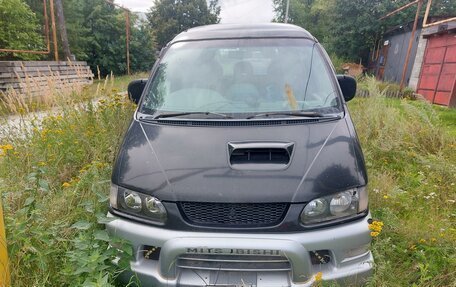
[
  {"x": 171, "y": 115},
  {"x": 292, "y": 113}
]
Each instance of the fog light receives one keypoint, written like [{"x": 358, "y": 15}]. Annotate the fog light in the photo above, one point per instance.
[
  {"x": 151, "y": 252},
  {"x": 320, "y": 257}
]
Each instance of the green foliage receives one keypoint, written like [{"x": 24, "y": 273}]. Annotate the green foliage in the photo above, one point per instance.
[
  {"x": 350, "y": 28},
  {"x": 142, "y": 47},
  {"x": 168, "y": 18},
  {"x": 97, "y": 34},
  {"x": 409, "y": 152},
  {"x": 19, "y": 30},
  {"x": 55, "y": 187}
]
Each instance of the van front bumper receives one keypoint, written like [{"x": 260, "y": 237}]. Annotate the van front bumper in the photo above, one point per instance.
[{"x": 347, "y": 245}]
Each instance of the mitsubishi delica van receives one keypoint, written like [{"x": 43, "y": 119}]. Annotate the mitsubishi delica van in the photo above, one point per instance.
[{"x": 241, "y": 166}]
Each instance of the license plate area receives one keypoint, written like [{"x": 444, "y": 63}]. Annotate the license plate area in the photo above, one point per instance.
[{"x": 233, "y": 278}]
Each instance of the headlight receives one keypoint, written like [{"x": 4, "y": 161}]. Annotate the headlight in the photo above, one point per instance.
[
  {"x": 336, "y": 206},
  {"x": 136, "y": 203}
]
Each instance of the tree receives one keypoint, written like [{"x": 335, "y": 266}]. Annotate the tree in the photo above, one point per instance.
[
  {"x": 96, "y": 33},
  {"x": 350, "y": 28},
  {"x": 313, "y": 15},
  {"x": 142, "y": 47},
  {"x": 19, "y": 29},
  {"x": 170, "y": 17},
  {"x": 62, "y": 29}
]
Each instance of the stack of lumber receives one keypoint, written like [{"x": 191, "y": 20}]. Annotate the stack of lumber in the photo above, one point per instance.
[{"x": 40, "y": 77}]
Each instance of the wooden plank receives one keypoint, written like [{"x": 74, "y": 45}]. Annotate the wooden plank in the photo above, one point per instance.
[
  {"x": 24, "y": 75},
  {"x": 41, "y": 83},
  {"x": 39, "y": 63},
  {"x": 42, "y": 78},
  {"x": 43, "y": 68}
]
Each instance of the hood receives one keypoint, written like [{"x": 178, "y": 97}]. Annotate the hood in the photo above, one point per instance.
[{"x": 192, "y": 163}]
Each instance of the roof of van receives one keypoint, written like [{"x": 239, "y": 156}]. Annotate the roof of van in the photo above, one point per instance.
[{"x": 226, "y": 31}]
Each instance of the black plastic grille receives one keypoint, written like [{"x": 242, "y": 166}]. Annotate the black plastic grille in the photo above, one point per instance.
[
  {"x": 233, "y": 214},
  {"x": 202, "y": 123},
  {"x": 260, "y": 155}
]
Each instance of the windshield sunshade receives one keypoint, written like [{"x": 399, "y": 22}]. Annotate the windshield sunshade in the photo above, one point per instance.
[{"x": 242, "y": 78}]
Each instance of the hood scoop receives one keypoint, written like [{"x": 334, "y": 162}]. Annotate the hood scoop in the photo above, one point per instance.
[{"x": 260, "y": 155}]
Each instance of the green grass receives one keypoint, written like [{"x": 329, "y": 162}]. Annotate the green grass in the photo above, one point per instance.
[
  {"x": 55, "y": 182},
  {"x": 409, "y": 148}
]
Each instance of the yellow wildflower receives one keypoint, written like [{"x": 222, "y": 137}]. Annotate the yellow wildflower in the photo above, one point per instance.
[
  {"x": 376, "y": 227},
  {"x": 433, "y": 239},
  {"x": 41, "y": 163},
  {"x": 385, "y": 196},
  {"x": 422, "y": 240},
  {"x": 412, "y": 247},
  {"x": 374, "y": 233},
  {"x": 318, "y": 276},
  {"x": 66, "y": 184},
  {"x": 7, "y": 147}
]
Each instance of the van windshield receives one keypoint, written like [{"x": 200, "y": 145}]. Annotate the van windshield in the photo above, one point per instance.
[{"x": 241, "y": 78}]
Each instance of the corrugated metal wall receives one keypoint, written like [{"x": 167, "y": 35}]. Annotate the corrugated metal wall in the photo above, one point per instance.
[{"x": 396, "y": 56}]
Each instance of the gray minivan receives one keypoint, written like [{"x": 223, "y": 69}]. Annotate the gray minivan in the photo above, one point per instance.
[{"x": 241, "y": 166}]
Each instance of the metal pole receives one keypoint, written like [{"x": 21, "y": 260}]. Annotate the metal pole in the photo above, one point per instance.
[
  {"x": 409, "y": 49},
  {"x": 46, "y": 29},
  {"x": 4, "y": 268},
  {"x": 286, "y": 11},
  {"x": 399, "y": 9},
  {"x": 426, "y": 14},
  {"x": 127, "y": 28},
  {"x": 54, "y": 32}
]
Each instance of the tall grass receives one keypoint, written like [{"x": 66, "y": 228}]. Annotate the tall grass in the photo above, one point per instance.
[
  {"x": 411, "y": 160},
  {"x": 54, "y": 180},
  {"x": 55, "y": 183},
  {"x": 58, "y": 92}
]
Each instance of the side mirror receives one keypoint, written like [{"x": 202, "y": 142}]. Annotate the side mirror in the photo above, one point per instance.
[
  {"x": 135, "y": 89},
  {"x": 348, "y": 86}
]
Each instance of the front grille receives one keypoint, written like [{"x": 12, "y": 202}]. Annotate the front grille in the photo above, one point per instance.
[
  {"x": 242, "y": 215},
  {"x": 244, "y": 263}
]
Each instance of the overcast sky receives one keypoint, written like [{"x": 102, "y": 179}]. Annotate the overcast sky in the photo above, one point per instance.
[{"x": 233, "y": 11}]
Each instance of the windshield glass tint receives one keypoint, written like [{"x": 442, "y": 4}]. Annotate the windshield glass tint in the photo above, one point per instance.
[{"x": 242, "y": 76}]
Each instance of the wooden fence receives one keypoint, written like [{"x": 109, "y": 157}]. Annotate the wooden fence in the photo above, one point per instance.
[{"x": 39, "y": 77}]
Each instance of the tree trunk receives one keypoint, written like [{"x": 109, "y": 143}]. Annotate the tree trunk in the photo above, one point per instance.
[{"x": 62, "y": 29}]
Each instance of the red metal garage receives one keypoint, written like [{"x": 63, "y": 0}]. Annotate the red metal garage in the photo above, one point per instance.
[{"x": 438, "y": 73}]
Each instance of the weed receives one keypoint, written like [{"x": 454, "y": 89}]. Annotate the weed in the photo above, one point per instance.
[
  {"x": 410, "y": 156},
  {"x": 55, "y": 183}
]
